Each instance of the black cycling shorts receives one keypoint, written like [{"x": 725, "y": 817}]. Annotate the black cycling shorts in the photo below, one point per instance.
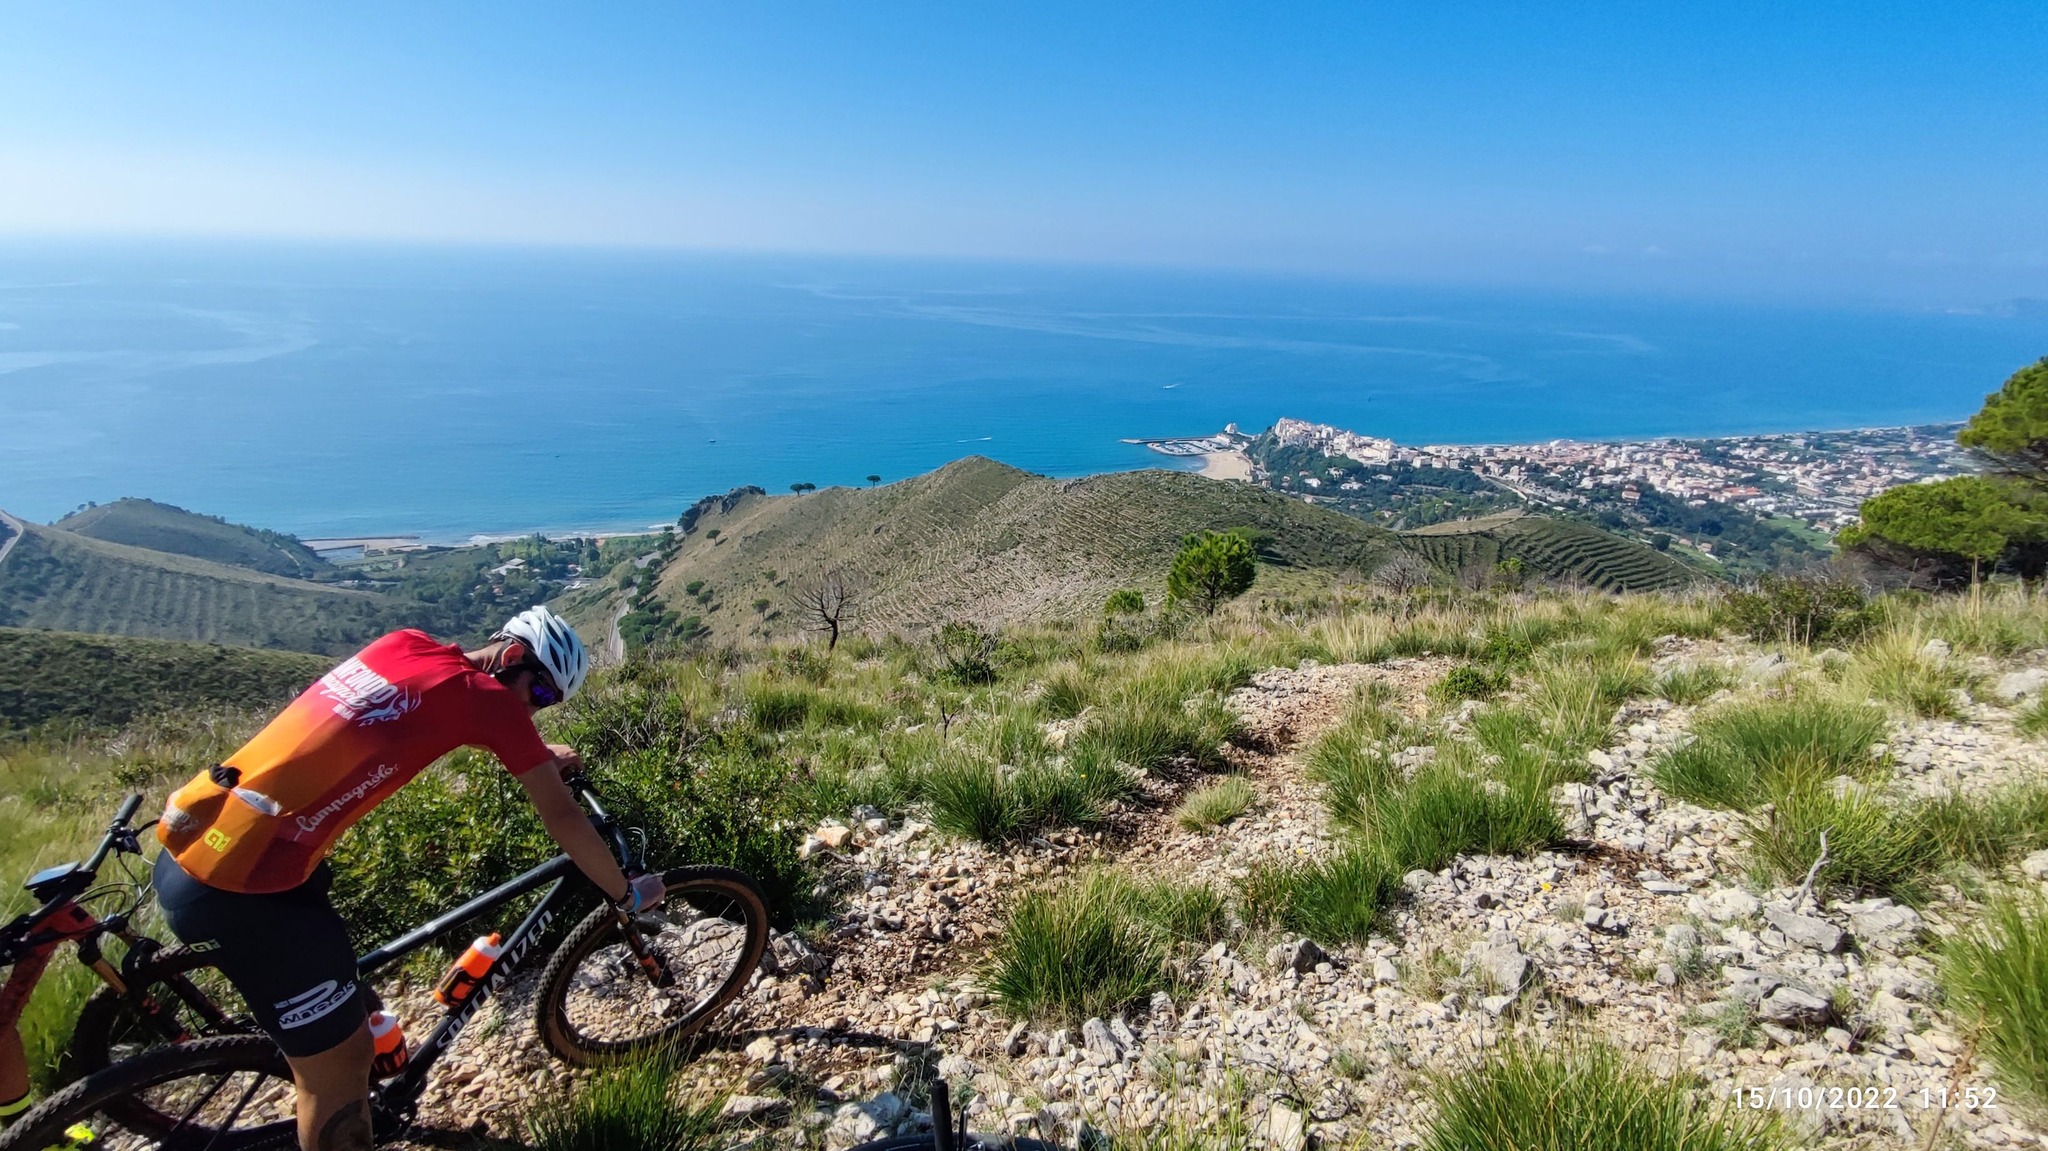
[{"x": 288, "y": 953}]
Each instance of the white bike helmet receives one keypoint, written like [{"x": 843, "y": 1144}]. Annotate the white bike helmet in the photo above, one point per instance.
[{"x": 554, "y": 646}]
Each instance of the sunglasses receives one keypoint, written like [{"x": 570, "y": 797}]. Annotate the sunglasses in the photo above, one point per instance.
[{"x": 542, "y": 692}]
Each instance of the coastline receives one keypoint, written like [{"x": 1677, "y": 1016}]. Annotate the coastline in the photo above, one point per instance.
[
  {"x": 1202, "y": 455},
  {"x": 1226, "y": 465}
]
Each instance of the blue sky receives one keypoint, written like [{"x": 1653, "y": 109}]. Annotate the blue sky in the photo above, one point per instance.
[{"x": 1865, "y": 150}]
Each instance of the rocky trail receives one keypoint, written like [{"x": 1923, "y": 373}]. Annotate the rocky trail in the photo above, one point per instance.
[{"x": 1644, "y": 933}]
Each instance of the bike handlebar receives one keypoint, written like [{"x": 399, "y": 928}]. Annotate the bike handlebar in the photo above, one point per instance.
[{"x": 117, "y": 831}]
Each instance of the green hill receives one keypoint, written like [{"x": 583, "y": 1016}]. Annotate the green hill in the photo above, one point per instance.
[
  {"x": 161, "y": 527},
  {"x": 978, "y": 540},
  {"x": 1556, "y": 549},
  {"x": 58, "y": 580},
  {"x": 98, "y": 679}
]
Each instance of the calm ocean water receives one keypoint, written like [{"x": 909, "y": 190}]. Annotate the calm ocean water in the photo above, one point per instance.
[{"x": 343, "y": 391}]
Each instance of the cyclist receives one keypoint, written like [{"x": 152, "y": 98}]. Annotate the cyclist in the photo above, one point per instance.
[{"x": 245, "y": 841}]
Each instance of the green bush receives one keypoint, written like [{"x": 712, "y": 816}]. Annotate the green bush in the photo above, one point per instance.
[
  {"x": 1582, "y": 1094},
  {"x": 1216, "y": 804},
  {"x": 1996, "y": 975},
  {"x": 1096, "y": 944},
  {"x": 1988, "y": 830},
  {"x": 1741, "y": 753},
  {"x": 1468, "y": 681},
  {"x": 1124, "y": 601},
  {"x": 627, "y": 1107},
  {"x": 1801, "y": 610}
]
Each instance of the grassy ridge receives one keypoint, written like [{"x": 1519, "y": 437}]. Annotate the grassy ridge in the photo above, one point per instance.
[
  {"x": 1554, "y": 548},
  {"x": 113, "y": 679},
  {"x": 983, "y": 541},
  {"x": 161, "y": 527},
  {"x": 61, "y": 581}
]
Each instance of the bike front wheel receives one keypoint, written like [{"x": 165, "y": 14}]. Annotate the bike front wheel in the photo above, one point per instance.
[
  {"x": 232, "y": 1093},
  {"x": 621, "y": 986}
]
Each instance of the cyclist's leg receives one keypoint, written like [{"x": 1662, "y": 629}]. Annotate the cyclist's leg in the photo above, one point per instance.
[
  {"x": 290, "y": 957},
  {"x": 334, "y": 1095}
]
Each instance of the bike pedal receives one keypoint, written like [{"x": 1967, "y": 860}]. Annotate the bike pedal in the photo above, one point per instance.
[{"x": 77, "y": 1135}]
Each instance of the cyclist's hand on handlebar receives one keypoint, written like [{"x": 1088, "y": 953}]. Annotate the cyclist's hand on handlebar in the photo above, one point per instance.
[
  {"x": 643, "y": 893},
  {"x": 568, "y": 759}
]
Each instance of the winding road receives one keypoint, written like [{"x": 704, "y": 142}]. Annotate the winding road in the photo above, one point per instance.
[{"x": 19, "y": 531}]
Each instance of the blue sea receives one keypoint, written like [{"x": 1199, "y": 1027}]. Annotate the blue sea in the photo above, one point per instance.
[{"x": 449, "y": 392}]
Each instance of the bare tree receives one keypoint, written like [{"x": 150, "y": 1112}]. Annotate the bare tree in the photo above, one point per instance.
[
  {"x": 826, "y": 602},
  {"x": 1403, "y": 572}
]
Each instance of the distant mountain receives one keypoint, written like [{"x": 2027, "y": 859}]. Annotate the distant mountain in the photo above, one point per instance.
[
  {"x": 1550, "y": 549},
  {"x": 164, "y": 528},
  {"x": 979, "y": 540},
  {"x": 61, "y": 580},
  {"x": 100, "y": 679}
]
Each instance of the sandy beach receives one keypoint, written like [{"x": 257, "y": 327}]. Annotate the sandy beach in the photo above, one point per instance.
[{"x": 1230, "y": 465}]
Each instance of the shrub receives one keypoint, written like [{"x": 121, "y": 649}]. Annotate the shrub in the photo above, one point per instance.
[
  {"x": 1216, "y": 804},
  {"x": 966, "y": 654},
  {"x": 1124, "y": 601},
  {"x": 1095, "y": 944},
  {"x": 1334, "y": 900},
  {"x": 1468, "y": 681},
  {"x": 1582, "y": 1094},
  {"x": 1692, "y": 684},
  {"x": 1800, "y": 609},
  {"x": 630, "y": 1106},
  {"x": 1996, "y": 975},
  {"x": 1744, "y": 751}
]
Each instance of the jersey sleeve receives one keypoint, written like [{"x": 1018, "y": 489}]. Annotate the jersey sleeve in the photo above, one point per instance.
[{"x": 505, "y": 727}]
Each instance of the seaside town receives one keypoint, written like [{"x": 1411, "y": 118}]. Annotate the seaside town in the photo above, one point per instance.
[{"x": 1818, "y": 478}]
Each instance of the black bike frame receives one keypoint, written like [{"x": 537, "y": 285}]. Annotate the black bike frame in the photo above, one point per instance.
[
  {"x": 402, "y": 1090},
  {"x": 399, "y": 1093}
]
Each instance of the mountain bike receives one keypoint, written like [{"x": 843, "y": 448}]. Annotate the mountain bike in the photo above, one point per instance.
[
  {"x": 31, "y": 940},
  {"x": 616, "y": 986}
]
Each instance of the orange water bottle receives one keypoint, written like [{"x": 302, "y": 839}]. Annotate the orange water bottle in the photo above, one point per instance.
[
  {"x": 389, "y": 1040},
  {"x": 461, "y": 981}
]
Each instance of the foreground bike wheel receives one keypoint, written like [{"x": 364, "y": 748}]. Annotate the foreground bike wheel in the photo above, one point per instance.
[
  {"x": 228, "y": 1094},
  {"x": 174, "y": 996},
  {"x": 598, "y": 1003}
]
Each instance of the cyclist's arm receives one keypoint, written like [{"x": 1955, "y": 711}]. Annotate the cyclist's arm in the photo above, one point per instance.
[{"x": 571, "y": 828}]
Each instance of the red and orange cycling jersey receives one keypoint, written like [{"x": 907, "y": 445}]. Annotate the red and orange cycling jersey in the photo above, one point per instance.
[{"x": 263, "y": 820}]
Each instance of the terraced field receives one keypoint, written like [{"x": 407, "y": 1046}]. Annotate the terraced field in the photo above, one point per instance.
[
  {"x": 61, "y": 581},
  {"x": 979, "y": 540},
  {"x": 161, "y": 527},
  {"x": 1555, "y": 549}
]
